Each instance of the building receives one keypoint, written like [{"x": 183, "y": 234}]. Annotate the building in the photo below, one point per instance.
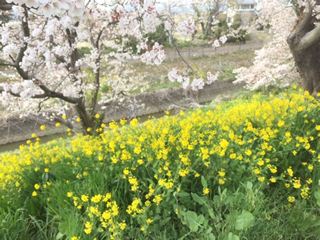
[{"x": 248, "y": 10}]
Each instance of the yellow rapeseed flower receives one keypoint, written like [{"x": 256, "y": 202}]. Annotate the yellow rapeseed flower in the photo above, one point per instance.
[
  {"x": 291, "y": 199},
  {"x": 206, "y": 191},
  {"x": 84, "y": 198}
]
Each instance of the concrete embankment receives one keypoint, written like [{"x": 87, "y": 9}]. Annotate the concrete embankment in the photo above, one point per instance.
[{"x": 14, "y": 129}]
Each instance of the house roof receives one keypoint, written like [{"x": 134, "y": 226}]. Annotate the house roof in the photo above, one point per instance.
[{"x": 246, "y": 2}]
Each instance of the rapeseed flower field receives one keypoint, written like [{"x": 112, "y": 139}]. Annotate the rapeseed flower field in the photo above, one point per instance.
[{"x": 246, "y": 169}]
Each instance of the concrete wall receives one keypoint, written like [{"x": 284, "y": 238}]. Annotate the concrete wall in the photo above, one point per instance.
[{"x": 15, "y": 129}]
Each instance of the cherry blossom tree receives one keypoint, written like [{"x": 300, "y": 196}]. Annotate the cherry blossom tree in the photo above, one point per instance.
[
  {"x": 207, "y": 11},
  {"x": 41, "y": 44},
  {"x": 294, "y": 51},
  {"x": 304, "y": 43},
  {"x": 273, "y": 64}
]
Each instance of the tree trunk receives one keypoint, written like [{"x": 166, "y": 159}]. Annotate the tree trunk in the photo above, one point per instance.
[
  {"x": 304, "y": 43},
  {"x": 308, "y": 65},
  {"x": 196, "y": 9},
  {"x": 212, "y": 14}
]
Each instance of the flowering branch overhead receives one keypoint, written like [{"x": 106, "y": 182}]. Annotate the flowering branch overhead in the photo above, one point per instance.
[{"x": 43, "y": 45}]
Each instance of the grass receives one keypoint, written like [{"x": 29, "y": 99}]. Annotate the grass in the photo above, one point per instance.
[{"x": 222, "y": 62}]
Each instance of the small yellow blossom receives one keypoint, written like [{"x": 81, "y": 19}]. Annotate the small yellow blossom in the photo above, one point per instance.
[
  {"x": 222, "y": 181},
  {"x": 309, "y": 181},
  {"x": 291, "y": 199},
  {"x": 206, "y": 191},
  {"x": 149, "y": 221},
  {"x": 85, "y": 198},
  {"x": 43, "y": 127}
]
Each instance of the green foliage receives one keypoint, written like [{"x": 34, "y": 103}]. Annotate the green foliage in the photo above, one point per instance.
[
  {"x": 160, "y": 36},
  {"x": 221, "y": 28},
  {"x": 84, "y": 50},
  {"x": 248, "y": 169}
]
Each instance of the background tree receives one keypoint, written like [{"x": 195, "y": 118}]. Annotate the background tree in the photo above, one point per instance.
[
  {"x": 42, "y": 46},
  {"x": 207, "y": 11},
  {"x": 294, "y": 50},
  {"x": 273, "y": 64}
]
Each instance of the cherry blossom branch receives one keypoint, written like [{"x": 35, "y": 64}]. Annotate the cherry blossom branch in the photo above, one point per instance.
[
  {"x": 72, "y": 35},
  {"x": 97, "y": 84},
  {"x": 182, "y": 58},
  {"x": 52, "y": 94},
  {"x": 7, "y": 64},
  {"x": 26, "y": 34}
]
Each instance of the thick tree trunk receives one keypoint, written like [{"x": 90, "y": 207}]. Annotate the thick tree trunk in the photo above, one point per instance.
[
  {"x": 304, "y": 43},
  {"x": 308, "y": 65}
]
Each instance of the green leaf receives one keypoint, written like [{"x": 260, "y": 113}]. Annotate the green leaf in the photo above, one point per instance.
[
  {"x": 211, "y": 213},
  {"x": 249, "y": 185},
  {"x": 317, "y": 196},
  {"x": 201, "y": 219},
  {"x": 193, "y": 221},
  {"x": 204, "y": 182},
  {"x": 245, "y": 220},
  {"x": 183, "y": 194},
  {"x": 63, "y": 227},
  {"x": 164, "y": 222},
  {"x": 211, "y": 237},
  {"x": 59, "y": 235},
  {"x": 209, "y": 230},
  {"x": 45, "y": 177},
  {"x": 231, "y": 236},
  {"x": 198, "y": 199}
]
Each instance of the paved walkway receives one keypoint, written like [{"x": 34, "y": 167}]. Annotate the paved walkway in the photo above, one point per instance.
[{"x": 192, "y": 51}]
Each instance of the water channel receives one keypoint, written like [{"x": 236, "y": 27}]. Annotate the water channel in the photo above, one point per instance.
[{"x": 15, "y": 145}]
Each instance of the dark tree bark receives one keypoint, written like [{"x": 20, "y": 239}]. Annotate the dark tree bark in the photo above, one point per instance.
[
  {"x": 5, "y": 6},
  {"x": 304, "y": 43},
  {"x": 213, "y": 13}
]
